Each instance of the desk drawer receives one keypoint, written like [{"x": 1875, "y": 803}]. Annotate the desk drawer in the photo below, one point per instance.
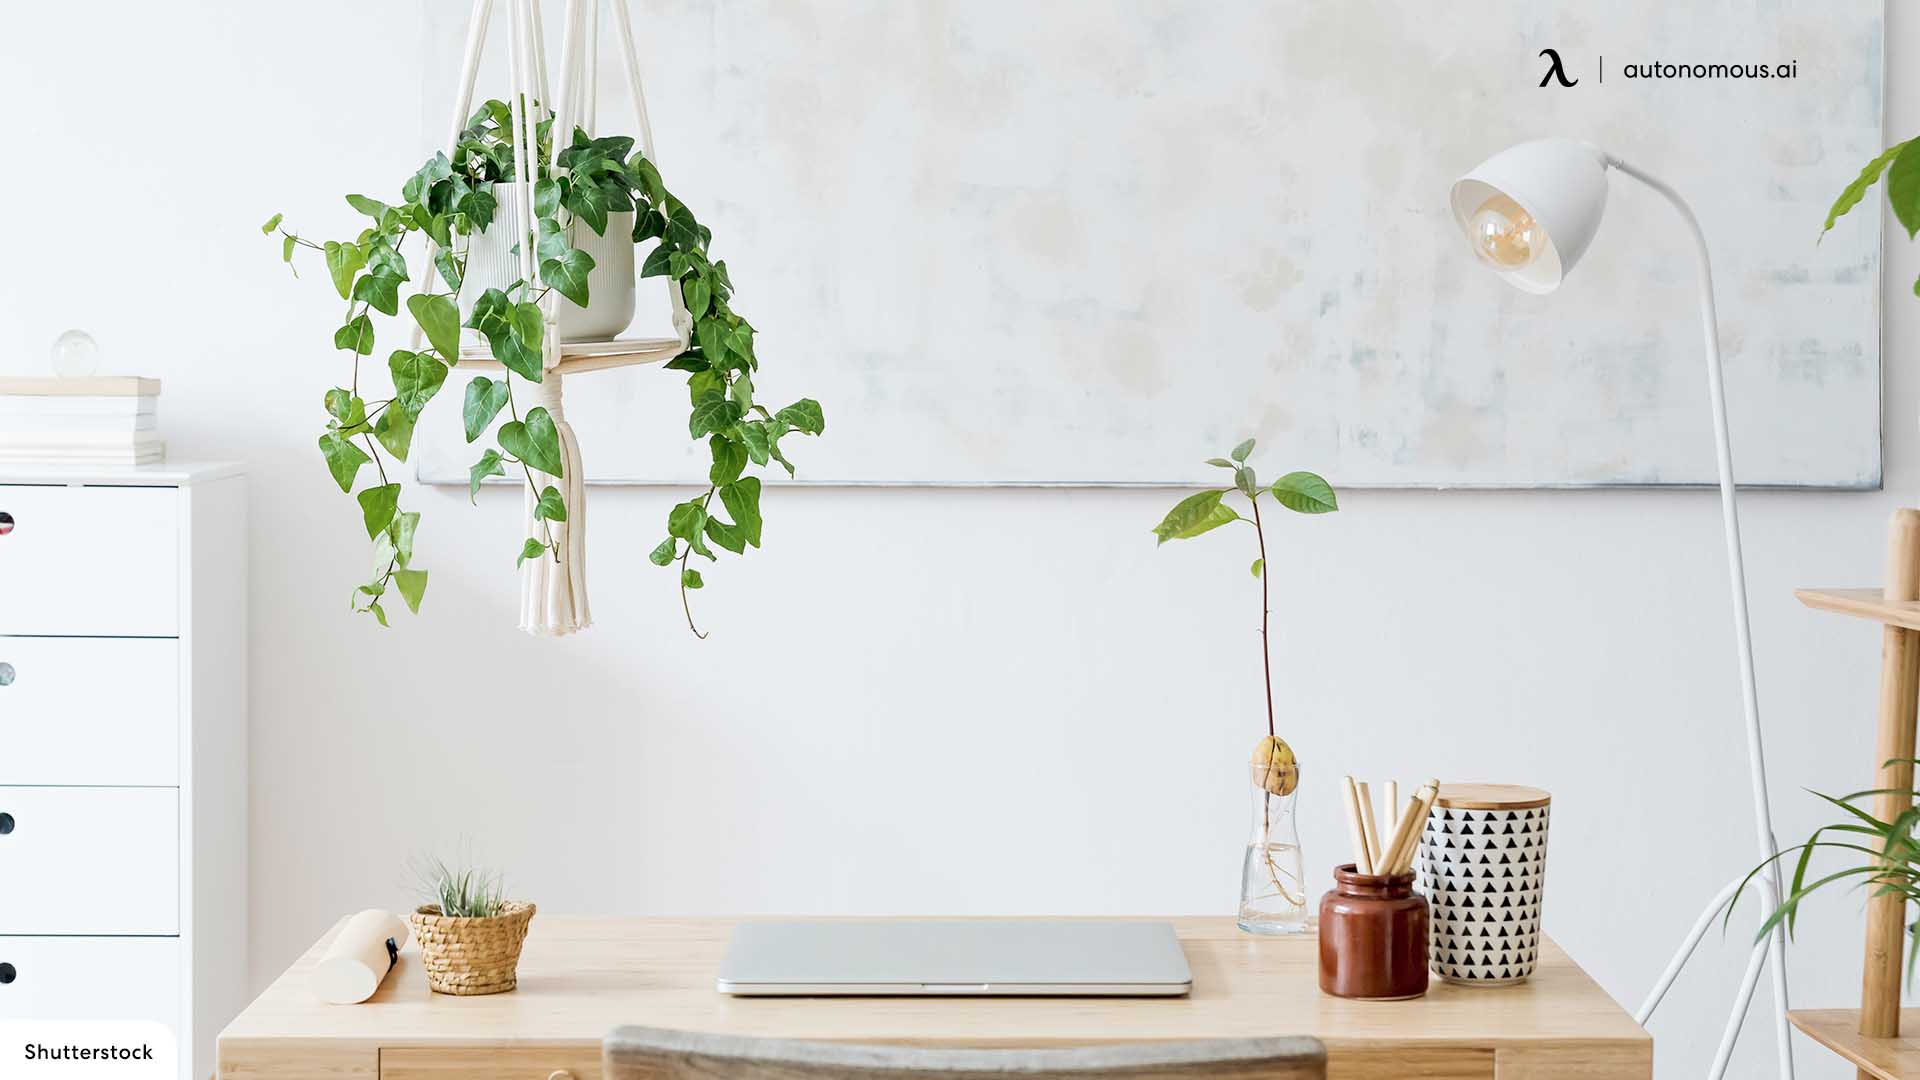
[
  {"x": 100, "y": 711},
  {"x": 90, "y": 560},
  {"x": 91, "y": 979},
  {"x": 83, "y": 860},
  {"x": 519, "y": 1062}
]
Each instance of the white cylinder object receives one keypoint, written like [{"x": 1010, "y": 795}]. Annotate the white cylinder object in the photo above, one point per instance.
[{"x": 359, "y": 958}]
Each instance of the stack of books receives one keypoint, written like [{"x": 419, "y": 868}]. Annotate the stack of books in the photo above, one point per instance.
[{"x": 94, "y": 420}]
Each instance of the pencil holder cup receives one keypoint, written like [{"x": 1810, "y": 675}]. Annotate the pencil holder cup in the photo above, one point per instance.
[
  {"x": 1483, "y": 865},
  {"x": 1373, "y": 937}
]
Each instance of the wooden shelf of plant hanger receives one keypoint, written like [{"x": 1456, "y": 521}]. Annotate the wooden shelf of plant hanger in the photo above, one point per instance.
[
  {"x": 582, "y": 356},
  {"x": 1865, "y": 604},
  {"x": 1838, "y": 1030}
]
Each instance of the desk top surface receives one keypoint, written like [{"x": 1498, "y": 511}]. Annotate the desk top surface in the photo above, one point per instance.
[{"x": 580, "y": 977}]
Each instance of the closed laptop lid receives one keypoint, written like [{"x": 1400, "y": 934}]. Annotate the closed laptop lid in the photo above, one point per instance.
[{"x": 957, "y": 956}]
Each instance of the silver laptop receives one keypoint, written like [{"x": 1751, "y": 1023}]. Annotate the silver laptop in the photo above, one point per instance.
[{"x": 1064, "y": 957}]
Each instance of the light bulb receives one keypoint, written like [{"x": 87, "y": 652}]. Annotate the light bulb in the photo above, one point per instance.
[
  {"x": 75, "y": 354},
  {"x": 1504, "y": 235}
]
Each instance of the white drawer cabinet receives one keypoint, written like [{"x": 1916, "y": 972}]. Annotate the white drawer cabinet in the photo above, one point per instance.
[
  {"x": 84, "y": 860},
  {"x": 62, "y": 721},
  {"x": 59, "y": 978},
  {"x": 123, "y": 796},
  {"x": 90, "y": 560}
]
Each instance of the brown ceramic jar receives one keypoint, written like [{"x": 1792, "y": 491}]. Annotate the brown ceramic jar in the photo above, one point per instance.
[{"x": 1373, "y": 937}]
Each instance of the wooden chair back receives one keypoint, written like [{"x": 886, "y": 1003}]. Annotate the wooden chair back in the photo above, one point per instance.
[{"x": 640, "y": 1053}]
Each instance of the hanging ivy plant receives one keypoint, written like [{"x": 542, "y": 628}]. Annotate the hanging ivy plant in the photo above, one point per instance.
[{"x": 449, "y": 200}]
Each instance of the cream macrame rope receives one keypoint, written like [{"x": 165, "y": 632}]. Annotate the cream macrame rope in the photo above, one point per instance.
[{"x": 553, "y": 593}]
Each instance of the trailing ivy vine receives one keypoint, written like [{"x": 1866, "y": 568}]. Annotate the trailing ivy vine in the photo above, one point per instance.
[{"x": 449, "y": 200}]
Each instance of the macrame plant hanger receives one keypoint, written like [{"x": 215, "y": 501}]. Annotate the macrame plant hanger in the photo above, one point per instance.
[{"x": 553, "y": 591}]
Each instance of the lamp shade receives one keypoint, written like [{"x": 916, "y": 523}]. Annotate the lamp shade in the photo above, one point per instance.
[{"x": 1531, "y": 210}]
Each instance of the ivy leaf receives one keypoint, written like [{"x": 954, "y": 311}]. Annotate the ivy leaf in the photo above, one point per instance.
[
  {"x": 742, "y": 500},
  {"x": 553, "y": 240},
  {"x": 286, "y": 253},
  {"x": 696, "y": 292},
  {"x": 742, "y": 392},
  {"x": 691, "y": 578},
  {"x": 1305, "y": 493},
  {"x": 1194, "y": 515},
  {"x": 449, "y": 268},
  {"x": 546, "y": 197},
  {"x": 729, "y": 460},
  {"x": 688, "y": 521},
  {"x": 378, "y": 612},
  {"x": 682, "y": 231},
  {"x": 272, "y": 224},
  {"x": 400, "y": 534},
  {"x": 657, "y": 263},
  {"x": 568, "y": 274},
  {"x": 416, "y": 378},
  {"x": 551, "y": 506},
  {"x": 380, "y": 290},
  {"x": 485, "y": 399},
  {"x": 727, "y": 536},
  {"x": 712, "y": 335},
  {"x": 1240, "y": 452},
  {"x": 479, "y": 207},
  {"x": 343, "y": 261},
  {"x": 439, "y": 319},
  {"x": 394, "y": 429},
  {"x": 412, "y": 585},
  {"x": 343, "y": 458},
  {"x": 1903, "y": 189},
  {"x": 488, "y": 465},
  {"x": 492, "y": 314},
  {"x": 355, "y": 420},
  {"x": 373, "y": 208},
  {"x": 647, "y": 178},
  {"x": 382, "y": 259},
  {"x": 713, "y": 413},
  {"x": 753, "y": 435},
  {"x": 357, "y": 335},
  {"x": 338, "y": 401},
  {"x": 534, "y": 441},
  {"x": 648, "y": 226},
  {"x": 1852, "y": 194},
  {"x": 589, "y": 203},
  {"x": 804, "y": 415},
  {"x": 531, "y": 549},
  {"x": 662, "y": 554},
  {"x": 377, "y": 507}
]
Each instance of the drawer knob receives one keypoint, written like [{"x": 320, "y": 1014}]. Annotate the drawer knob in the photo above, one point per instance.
[
  {"x": 6, "y": 673},
  {"x": 6, "y": 823},
  {"x": 6, "y": 523},
  {"x": 6, "y": 974}
]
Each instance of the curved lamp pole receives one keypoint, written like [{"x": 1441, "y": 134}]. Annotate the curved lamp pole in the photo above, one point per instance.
[{"x": 1529, "y": 212}]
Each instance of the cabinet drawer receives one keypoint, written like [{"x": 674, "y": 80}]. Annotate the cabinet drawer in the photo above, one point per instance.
[
  {"x": 489, "y": 1063},
  {"x": 90, "y": 560},
  {"x": 91, "y": 979},
  {"x": 90, "y": 860},
  {"x": 100, "y": 711}
]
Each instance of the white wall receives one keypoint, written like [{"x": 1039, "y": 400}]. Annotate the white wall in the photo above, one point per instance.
[{"x": 913, "y": 701}]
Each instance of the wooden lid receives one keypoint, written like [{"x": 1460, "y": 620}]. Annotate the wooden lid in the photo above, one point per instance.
[{"x": 1491, "y": 797}]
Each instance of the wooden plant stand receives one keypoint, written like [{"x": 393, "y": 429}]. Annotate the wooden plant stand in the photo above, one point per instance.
[{"x": 1869, "y": 1037}]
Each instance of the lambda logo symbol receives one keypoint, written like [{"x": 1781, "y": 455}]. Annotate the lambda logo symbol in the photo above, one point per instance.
[{"x": 1554, "y": 70}]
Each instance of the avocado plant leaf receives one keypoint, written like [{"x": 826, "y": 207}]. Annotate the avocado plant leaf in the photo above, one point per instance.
[
  {"x": 1194, "y": 515},
  {"x": 1305, "y": 493}
]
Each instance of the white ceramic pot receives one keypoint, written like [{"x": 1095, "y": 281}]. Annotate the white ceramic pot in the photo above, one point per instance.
[
  {"x": 492, "y": 263},
  {"x": 1483, "y": 866}
]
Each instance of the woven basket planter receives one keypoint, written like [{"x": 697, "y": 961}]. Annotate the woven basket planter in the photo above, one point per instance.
[{"x": 471, "y": 956}]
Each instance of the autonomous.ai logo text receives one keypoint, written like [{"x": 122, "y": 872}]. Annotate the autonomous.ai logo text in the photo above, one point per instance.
[{"x": 1554, "y": 69}]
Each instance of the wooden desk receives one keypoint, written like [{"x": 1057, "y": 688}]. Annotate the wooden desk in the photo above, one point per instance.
[{"x": 581, "y": 977}]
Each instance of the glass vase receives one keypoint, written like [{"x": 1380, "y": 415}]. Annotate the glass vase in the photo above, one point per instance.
[{"x": 1273, "y": 893}]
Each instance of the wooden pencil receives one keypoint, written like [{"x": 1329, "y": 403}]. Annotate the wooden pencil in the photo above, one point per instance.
[
  {"x": 1361, "y": 861},
  {"x": 1366, "y": 822}
]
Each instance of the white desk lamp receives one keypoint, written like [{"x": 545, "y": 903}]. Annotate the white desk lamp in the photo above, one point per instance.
[{"x": 1529, "y": 213}]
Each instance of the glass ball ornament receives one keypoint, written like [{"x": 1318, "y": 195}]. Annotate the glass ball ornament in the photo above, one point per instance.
[
  {"x": 1504, "y": 235},
  {"x": 75, "y": 355}
]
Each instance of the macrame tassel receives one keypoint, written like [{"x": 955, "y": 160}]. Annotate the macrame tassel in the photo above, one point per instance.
[{"x": 553, "y": 594}]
